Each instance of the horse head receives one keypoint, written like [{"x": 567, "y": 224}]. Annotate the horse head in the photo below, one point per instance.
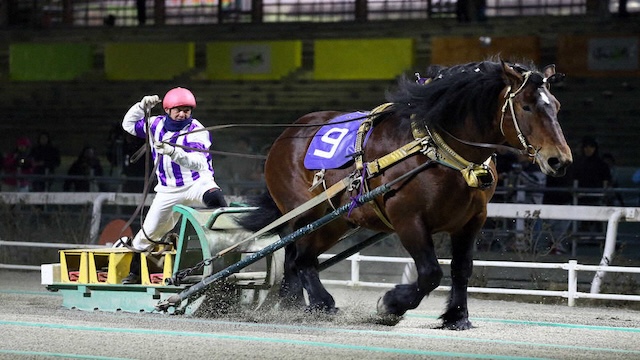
[{"x": 532, "y": 112}]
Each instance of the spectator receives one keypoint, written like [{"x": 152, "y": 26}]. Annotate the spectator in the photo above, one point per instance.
[
  {"x": 635, "y": 178},
  {"x": 463, "y": 10},
  {"x": 115, "y": 150},
  {"x": 16, "y": 163},
  {"x": 505, "y": 162},
  {"x": 133, "y": 170},
  {"x": 622, "y": 9},
  {"x": 141, "y": 8},
  {"x": 528, "y": 176},
  {"x": 613, "y": 198},
  {"x": 480, "y": 7},
  {"x": 84, "y": 170},
  {"x": 559, "y": 230},
  {"x": 46, "y": 159},
  {"x": 528, "y": 181},
  {"x": 590, "y": 171},
  {"x": 120, "y": 149}
]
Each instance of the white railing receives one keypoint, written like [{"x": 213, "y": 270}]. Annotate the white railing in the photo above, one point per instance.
[
  {"x": 97, "y": 199},
  {"x": 572, "y": 268},
  {"x": 611, "y": 215}
]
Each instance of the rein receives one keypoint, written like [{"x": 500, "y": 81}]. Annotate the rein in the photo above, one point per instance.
[
  {"x": 505, "y": 148},
  {"x": 228, "y": 126},
  {"x": 326, "y": 195},
  {"x": 148, "y": 176},
  {"x": 142, "y": 149},
  {"x": 475, "y": 174},
  {"x": 509, "y": 96}
]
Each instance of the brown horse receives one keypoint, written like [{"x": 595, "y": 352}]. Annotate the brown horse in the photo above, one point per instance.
[{"x": 460, "y": 115}]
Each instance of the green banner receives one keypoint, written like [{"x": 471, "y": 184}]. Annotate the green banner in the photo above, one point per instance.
[{"x": 48, "y": 62}]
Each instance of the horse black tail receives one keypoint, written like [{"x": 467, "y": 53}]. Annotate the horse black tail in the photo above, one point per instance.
[{"x": 266, "y": 213}]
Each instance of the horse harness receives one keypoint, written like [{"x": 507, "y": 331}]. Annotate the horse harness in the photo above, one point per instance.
[
  {"x": 509, "y": 96},
  {"x": 427, "y": 142},
  {"x": 431, "y": 144}
]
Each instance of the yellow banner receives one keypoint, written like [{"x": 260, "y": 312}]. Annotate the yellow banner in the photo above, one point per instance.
[
  {"x": 265, "y": 60},
  {"x": 362, "y": 59},
  {"x": 148, "y": 61}
]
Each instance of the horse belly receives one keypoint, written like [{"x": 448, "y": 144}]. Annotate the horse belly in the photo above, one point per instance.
[{"x": 439, "y": 199}]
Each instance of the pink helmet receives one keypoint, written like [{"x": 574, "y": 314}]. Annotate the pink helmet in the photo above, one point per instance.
[{"x": 178, "y": 97}]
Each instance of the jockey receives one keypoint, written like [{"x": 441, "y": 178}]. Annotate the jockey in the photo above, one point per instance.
[{"x": 184, "y": 176}]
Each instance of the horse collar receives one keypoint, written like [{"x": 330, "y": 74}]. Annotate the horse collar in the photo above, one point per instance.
[{"x": 433, "y": 146}]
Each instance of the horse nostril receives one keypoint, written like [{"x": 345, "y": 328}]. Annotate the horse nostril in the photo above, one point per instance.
[
  {"x": 560, "y": 167},
  {"x": 555, "y": 163}
]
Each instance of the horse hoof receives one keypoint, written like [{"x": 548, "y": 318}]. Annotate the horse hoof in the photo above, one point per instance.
[
  {"x": 333, "y": 311},
  {"x": 381, "y": 308},
  {"x": 388, "y": 320},
  {"x": 459, "y": 325},
  {"x": 286, "y": 304},
  {"x": 321, "y": 310},
  {"x": 384, "y": 317}
]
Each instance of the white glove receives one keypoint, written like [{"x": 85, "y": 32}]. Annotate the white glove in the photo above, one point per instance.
[
  {"x": 164, "y": 148},
  {"x": 148, "y": 102}
]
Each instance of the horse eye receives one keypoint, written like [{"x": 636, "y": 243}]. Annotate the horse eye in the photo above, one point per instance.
[{"x": 526, "y": 108}]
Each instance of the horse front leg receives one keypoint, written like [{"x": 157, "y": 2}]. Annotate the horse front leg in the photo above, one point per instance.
[
  {"x": 403, "y": 297},
  {"x": 456, "y": 316}
]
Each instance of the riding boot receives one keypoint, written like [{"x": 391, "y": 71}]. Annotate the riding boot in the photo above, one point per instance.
[
  {"x": 213, "y": 198},
  {"x": 134, "y": 271}
]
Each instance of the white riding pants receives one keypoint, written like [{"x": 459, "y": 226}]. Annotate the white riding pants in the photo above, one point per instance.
[{"x": 161, "y": 219}]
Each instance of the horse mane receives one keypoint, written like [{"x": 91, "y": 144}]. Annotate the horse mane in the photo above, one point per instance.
[{"x": 453, "y": 94}]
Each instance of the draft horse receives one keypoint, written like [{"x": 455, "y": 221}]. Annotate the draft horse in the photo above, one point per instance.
[{"x": 456, "y": 119}]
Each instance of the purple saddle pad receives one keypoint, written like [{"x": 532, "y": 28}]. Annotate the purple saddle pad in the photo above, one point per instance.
[{"x": 334, "y": 144}]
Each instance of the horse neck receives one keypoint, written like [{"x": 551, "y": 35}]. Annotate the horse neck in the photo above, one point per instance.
[{"x": 471, "y": 134}]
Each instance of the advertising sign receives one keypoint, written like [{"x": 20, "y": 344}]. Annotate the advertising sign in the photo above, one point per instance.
[
  {"x": 613, "y": 54},
  {"x": 251, "y": 59}
]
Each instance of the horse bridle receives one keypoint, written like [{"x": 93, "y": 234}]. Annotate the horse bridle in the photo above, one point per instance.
[
  {"x": 509, "y": 96},
  {"x": 527, "y": 149}
]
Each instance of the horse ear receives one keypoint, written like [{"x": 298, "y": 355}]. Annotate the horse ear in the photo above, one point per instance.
[
  {"x": 549, "y": 71},
  {"x": 511, "y": 76},
  {"x": 550, "y": 75}
]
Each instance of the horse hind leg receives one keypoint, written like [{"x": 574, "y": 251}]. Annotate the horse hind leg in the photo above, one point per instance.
[
  {"x": 300, "y": 273},
  {"x": 306, "y": 263},
  {"x": 291, "y": 289},
  {"x": 320, "y": 300}
]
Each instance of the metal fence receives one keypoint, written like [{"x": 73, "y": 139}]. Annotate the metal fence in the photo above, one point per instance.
[{"x": 51, "y": 13}]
